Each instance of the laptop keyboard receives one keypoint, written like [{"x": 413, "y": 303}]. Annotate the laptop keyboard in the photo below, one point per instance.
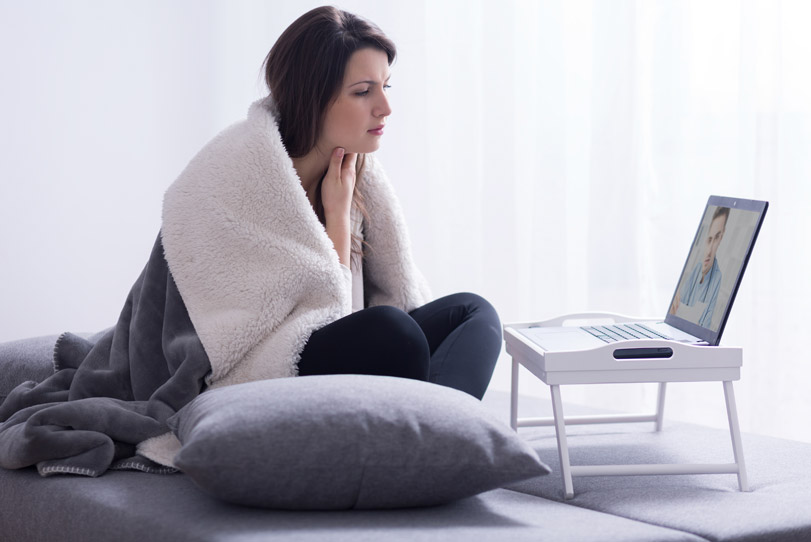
[{"x": 623, "y": 332}]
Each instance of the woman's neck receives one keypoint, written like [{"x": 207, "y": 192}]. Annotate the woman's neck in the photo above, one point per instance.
[{"x": 310, "y": 169}]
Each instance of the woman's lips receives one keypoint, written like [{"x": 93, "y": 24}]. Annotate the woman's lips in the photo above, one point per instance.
[{"x": 377, "y": 131}]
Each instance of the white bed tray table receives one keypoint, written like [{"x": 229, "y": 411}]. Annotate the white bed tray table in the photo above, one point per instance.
[{"x": 688, "y": 363}]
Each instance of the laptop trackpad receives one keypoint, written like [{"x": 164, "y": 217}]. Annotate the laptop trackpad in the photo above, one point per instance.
[{"x": 554, "y": 339}]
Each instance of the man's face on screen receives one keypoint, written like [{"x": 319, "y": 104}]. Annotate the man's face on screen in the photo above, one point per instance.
[{"x": 713, "y": 240}]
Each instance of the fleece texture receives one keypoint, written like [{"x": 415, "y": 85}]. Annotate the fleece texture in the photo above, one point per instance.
[{"x": 253, "y": 264}]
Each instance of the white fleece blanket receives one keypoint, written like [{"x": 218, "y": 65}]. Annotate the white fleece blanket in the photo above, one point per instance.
[{"x": 253, "y": 264}]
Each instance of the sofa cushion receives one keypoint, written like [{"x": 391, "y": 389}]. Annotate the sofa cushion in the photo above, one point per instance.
[
  {"x": 777, "y": 509},
  {"x": 30, "y": 360},
  {"x": 346, "y": 441},
  {"x": 25, "y": 360},
  {"x": 126, "y": 506}
]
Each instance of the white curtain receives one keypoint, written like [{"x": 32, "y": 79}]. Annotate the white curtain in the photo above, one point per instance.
[
  {"x": 575, "y": 147},
  {"x": 553, "y": 156}
]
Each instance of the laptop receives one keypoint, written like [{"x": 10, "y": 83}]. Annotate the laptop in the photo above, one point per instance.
[{"x": 700, "y": 306}]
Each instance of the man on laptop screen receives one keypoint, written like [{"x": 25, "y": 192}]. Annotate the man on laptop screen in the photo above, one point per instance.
[
  {"x": 697, "y": 296},
  {"x": 704, "y": 293}
]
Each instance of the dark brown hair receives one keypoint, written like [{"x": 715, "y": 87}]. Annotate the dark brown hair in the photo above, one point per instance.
[
  {"x": 304, "y": 71},
  {"x": 721, "y": 211}
]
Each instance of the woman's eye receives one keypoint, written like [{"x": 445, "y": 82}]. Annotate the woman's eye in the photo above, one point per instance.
[
  {"x": 362, "y": 93},
  {"x": 385, "y": 87}
]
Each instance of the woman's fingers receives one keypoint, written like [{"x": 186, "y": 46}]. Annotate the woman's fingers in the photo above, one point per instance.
[
  {"x": 339, "y": 182},
  {"x": 334, "y": 169},
  {"x": 348, "y": 166}
]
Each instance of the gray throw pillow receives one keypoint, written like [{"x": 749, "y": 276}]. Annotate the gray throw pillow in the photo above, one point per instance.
[{"x": 346, "y": 441}]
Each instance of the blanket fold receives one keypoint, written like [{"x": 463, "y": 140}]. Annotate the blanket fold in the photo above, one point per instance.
[{"x": 106, "y": 397}]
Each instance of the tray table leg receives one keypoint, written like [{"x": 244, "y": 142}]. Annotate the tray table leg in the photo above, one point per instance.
[
  {"x": 563, "y": 447},
  {"x": 735, "y": 432},
  {"x": 514, "y": 395},
  {"x": 660, "y": 405}
]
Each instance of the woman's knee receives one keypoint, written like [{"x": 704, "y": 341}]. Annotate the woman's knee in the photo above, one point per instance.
[
  {"x": 483, "y": 318},
  {"x": 392, "y": 326},
  {"x": 393, "y": 334},
  {"x": 479, "y": 308}
]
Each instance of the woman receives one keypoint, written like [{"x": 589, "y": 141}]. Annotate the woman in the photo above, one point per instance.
[
  {"x": 282, "y": 252},
  {"x": 327, "y": 129},
  {"x": 313, "y": 231}
]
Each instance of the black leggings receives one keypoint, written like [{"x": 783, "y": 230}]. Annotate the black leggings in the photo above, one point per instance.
[{"x": 453, "y": 341}]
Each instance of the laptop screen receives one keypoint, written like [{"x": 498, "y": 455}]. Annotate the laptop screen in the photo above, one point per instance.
[{"x": 715, "y": 265}]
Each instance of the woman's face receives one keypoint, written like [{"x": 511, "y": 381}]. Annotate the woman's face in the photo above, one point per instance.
[{"x": 356, "y": 118}]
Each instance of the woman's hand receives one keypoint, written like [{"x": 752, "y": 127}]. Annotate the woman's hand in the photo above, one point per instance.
[
  {"x": 339, "y": 185},
  {"x": 336, "y": 196}
]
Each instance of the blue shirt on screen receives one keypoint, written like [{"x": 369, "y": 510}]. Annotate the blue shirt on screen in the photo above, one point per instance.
[{"x": 703, "y": 292}]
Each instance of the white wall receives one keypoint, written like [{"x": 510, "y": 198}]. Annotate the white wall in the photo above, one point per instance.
[{"x": 102, "y": 105}]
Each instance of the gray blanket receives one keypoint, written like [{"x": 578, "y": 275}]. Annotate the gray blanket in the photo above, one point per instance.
[{"x": 106, "y": 397}]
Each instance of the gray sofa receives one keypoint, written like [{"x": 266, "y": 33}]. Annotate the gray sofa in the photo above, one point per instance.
[{"x": 127, "y": 506}]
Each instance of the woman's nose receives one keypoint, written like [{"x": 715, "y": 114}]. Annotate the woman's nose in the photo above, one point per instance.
[{"x": 382, "y": 108}]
